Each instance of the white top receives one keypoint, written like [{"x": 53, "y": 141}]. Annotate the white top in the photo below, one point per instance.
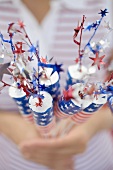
[{"x": 47, "y": 102}]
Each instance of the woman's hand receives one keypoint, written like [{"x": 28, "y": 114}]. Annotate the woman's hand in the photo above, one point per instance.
[{"x": 58, "y": 152}]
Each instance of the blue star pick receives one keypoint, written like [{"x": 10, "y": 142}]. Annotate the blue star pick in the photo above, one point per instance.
[
  {"x": 103, "y": 12},
  {"x": 57, "y": 67}
]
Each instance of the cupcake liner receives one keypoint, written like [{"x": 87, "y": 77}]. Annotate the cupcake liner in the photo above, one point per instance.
[
  {"x": 43, "y": 115},
  {"x": 22, "y": 102}
]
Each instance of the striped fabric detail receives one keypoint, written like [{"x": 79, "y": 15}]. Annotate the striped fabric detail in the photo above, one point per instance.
[
  {"x": 97, "y": 156},
  {"x": 11, "y": 158}
]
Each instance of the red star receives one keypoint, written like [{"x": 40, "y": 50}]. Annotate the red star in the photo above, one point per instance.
[
  {"x": 18, "y": 50},
  {"x": 39, "y": 103},
  {"x": 76, "y": 60},
  {"x": 68, "y": 94},
  {"x": 97, "y": 60},
  {"x": 21, "y": 24},
  {"x": 43, "y": 60}
]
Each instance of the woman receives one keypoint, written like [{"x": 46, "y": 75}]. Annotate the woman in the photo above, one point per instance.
[{"x": 54, "y": 23}]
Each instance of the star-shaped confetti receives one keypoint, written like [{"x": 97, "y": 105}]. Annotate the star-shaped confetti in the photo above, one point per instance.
[{"x": 97, "y": 60}]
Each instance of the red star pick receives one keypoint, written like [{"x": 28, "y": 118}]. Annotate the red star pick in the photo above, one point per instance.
[
  {"x": 18, "y": 50},
  {"x": 97, "y": 60},
  {"x": 21, "y": 24}
]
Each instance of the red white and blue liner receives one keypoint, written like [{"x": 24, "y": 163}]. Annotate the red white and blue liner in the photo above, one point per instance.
[
  {"x": 22, "y": 102},
  {"x": 43, "y": 112},
  {"x": 51, "y": 82}
]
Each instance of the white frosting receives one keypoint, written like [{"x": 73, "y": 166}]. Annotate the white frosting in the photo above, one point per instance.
[
  {"x": 52, "y": 79},
  {"x": 47, "y": 102},
  {"x": 75, "y": 73},
  {"x": 16, "y": 93}
]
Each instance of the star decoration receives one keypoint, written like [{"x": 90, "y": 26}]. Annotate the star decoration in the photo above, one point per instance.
[
  {"x": 57, "y": 67},
  {"x": 103, "y": 12},
  {"x": 39, "y": 103},
  {"x": 43, "y": 60},
  {"x": 42, "y": 87},
  {"x": 32, "y": 49},
  {"x": 21, "y": 24},
  {"x": 77, "y": 60},
  {"x": 68, "y": 94},
  {"x": 97, "y": 60},
  {"x": 18, "y": 50}
]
